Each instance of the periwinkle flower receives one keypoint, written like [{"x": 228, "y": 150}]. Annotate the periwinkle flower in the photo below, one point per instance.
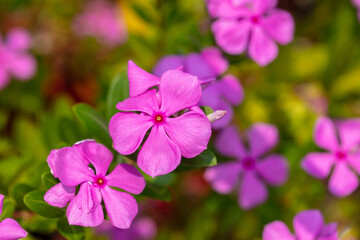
[
  {"x": 251, "y": 168},
  {"x": 15, "y": 61},
  {"x": 172, "y": 134},
  {"x": 308, "y": 225},
  {"x": 71, "y": 166},
  {"x": 9, "y": 228},
  {"x": 253, "y": 25},
  {"x": 343, "y": 155}
]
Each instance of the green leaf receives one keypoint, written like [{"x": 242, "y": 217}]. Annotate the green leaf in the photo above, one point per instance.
[
  {"x": 8, "y": 209},
  {"x": 70, "y": 232},
  {"x": 18, "y": 192},
  {"x": 94, "y": 123},
  {"x": 35, "y": 201},
  {"x": 154, "y": 191},
  {"x": 118, "y": 91},
  {"x": 207, "y": 110},
  {"x": 205, "y": 159},
  {"x": 48, "y": 180}
]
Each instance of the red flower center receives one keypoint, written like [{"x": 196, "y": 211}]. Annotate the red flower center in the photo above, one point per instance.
[
  {"x": 99, "y": 181},
  {"x": 158, "y": 118},
  {"x": 255, "y": 19},
  {"x": 248, "y": 163},
  {"x": 340, "y": 155}
]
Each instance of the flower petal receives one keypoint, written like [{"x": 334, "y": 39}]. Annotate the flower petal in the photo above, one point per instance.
[
  {"x": 308, "y": 224},
  {"x": 127, "y": 131},
  {"x": 145, "y": 102},
  {"x": 23, "y": 66},
  {"x": 215, "y": 59},
  {"x": 51, "y": 162},
  {"x": 262, "y": 137},
  {"x": 126, "y": 177},
  {"x": 354, "y": 161},
  {"x": 59, "y": 195},
  {"x": 197, "y": 66},
  {"x": 139, "y": 80},
  {"x": 262, "y": 48},
  {"x": 224, "y": 176},
  {"x": 279, "y": 25},
  {"x": 18, "y": 39},
  {"x": 178, "y": 91},
  {"x": 229, "y": 143},
  {"x": 227, "y": 9},
  {"x": 226, "y": 119},
  {"x": 325, "y": 134},
  {"x": 274, "y": 169},
  {"x": 262, "y": 6},
  {"x": 4, "y": 77},
  {"x": 10, "y": 229},
  {"x": 167, "y": 63},
  {"x": 232, "y": 36},
  {"x": 88, "y": 198},
  {"x": 231, "y": 89},
  {"x": 1, "y": 202},
  {"x": 329, "y": 232},
  {"x": 343, "y": 180},
  {"x": 252, "y": 192},
  {"x": 98, "y": 155},
  {"x": 120, "y": 206},
  {"x": 318, "y": 164},
  {"x": 145, "y": 228},
  {"x": 159, "y": 154},
  {"x": 277, "y": 230},
  {"x": 349, "y": 132},
  {"x": 71, "y": 168}
]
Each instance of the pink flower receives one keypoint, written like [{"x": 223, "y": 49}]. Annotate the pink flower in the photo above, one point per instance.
[
  {"x": 9, "y": 228},
  {"x": 71, "y": 166},
  {"x": 308, "y": 225},
  {"x": 14, "y": 59},
  {"x": 357, "y": 5},
  {"x": 227, "y": 8},
  {"x": 101, "y": 20},
  {"x": 172, "y": 135},
  {"x": 343, "y": 155},
  {"x": 255, "y": 27},
  {"x": 251, "y": 169}
]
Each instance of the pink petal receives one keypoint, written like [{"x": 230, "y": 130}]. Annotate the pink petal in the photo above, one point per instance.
[
  {"x": 120, "y": 206},
  {"x": 4, "y": 78},
  {"x": 232, "y": 36},
  {"x": 145, "y": 228},
  {"x": 329, "y": 232},
  {"x": 18, "y": 39},
  {"x": 159, "y": 154},
  {"x": 223, "y": 176},
  {"x": 88, "y": 198},
  {"x": 1, "y": 202},
  {"x": 226, "y": 119},
  {"x": 343, "y": 180},
  {"x": 127, "y": 131},
  {"x": 229, "y": 143},
  {"x": 51, "y": 162},
  {"x": 59, "y": 195},
  {"x": 167, "y": 63},
  {"x": 318, "y": 164},
  {"x": 252, "y": 192},
  {"x": 262, "y": 48},
  {"x": 262, "y": 137},
  {"x": 262, "y": 6},
  {"x": 274, "y": 169},
  {"x": 126, "y": 177},
  {"x": 308, "y": 224},
  {"x": 139, "y": 80},
  {"x": 231, "y": 89},
  {"x": 178, "y": 91},
  {"x": 277, "y": 230},
  {"x": 190, "y": 132},
  {"x": 70, "y": 168},
  {"x": 215, "y": 59},
  {"x": 325, "y": 134},
  {"x": 349, "y": 132},
  {"x": 197, "y": 66},
  {"x": 23, "y": 67},
  {"x": 145, "y": 102},
  {"x": 11, "y": 230},
  {"x": 211, "y": 96},
  {"x": 280, "y": 26},
  {"x": 98, "y": 155},
  {"x": 354, "y": 161},
  {"x": 227, "y": 9}
]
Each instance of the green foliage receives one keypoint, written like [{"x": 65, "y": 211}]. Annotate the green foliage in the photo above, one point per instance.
[
  {"x": 70, "y": 232},
  {"x": 205, "y": 159},
  {"x": 156, "y": 192},
  {"x": 8, "y": 209},
  {"x": 18, "y": 192},
  {"x": 118, "y": 91},
  {"x": 35, "y": 202},
  {"x": 48, "y": 180}
]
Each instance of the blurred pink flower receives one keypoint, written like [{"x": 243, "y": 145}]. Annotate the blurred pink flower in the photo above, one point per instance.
[
  {"x": 308, "y": 225},
  {"x": 171, "y": 135},
  {"x": 253, "y": 25},
  {"x": 250, "y": 167},
  {"x": 14, "y": 59},
  {"x": 71, "y": 165},
  {"x": 357, "y": 5},
  {"x": 101, "y": 20},
  {"x": 9, "y": 228},
  {"x": 343, "y": 155}
]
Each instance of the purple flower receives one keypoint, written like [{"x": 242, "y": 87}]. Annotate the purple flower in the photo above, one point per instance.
[
  {"x": 308, "y": 225},
  {"x": 250, "y": 167},
  {"x": 71, "y": 166},
  {"x": 101, "y": 20},
  {"x": 343, "y": 155},
  {"x": 9, "y": 228},
  {"x": 172, "y": 135},
  {"x": 253, "y": 25},
  {"x": 14, "y": 59}
]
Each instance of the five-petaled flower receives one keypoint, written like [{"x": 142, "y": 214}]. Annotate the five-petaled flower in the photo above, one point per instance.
[
  {"x": 249, "y": 166},
  {"x": 308, "y": 225},
  {"x": 71, "y": 166},
  {"x": 178, "y": 127},
  {"x": 343, "y": 155}
]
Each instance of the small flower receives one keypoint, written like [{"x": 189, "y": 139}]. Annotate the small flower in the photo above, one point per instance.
[
  {"x": 172, "y": 135},
  {"x": 343, "y": 155},
  {"x": 250, "y": 167},
  {"x": 308, "y": 225},
  {"x": 253, "y": 25},
  {"x": 71, "y": 166},
  {"x": 9, "y": 228},
  {"x": 14, "y": 59}
]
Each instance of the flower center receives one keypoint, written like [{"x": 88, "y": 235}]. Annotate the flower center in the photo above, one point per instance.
[
  {"x": 158, "y": 118},
  {"x": 99, "y": 181},
  {"x": 341, "y": 155},
  {"x": 255, "y": 19},
  {"x": 248, "y": 163}
]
